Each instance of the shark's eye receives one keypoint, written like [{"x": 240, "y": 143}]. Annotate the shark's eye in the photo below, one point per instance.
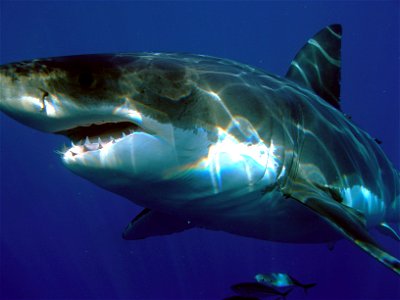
[{"x": 86, "y": 79}]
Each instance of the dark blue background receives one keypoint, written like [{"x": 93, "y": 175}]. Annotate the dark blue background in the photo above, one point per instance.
[{"x": 61, "y": 236}]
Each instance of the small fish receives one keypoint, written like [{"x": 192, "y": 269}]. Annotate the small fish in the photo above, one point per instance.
[
  {"x": 281, "y": 280},
  {"x": 255, "y": 289}
]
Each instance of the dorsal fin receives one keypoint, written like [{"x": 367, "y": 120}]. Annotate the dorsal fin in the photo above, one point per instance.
[{"x": 317, "y": 65}]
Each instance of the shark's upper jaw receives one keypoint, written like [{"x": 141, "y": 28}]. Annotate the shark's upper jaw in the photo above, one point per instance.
[{"x": 95, "y": 137}]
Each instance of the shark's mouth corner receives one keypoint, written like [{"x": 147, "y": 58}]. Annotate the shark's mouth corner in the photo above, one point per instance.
[{"x": 93, "y": 137}]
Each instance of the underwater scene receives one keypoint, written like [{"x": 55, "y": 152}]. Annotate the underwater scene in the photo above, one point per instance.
[{"x": 199, "y": 150}]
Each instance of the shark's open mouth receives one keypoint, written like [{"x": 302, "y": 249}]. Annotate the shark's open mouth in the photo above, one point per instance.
[
  {"x": 102, "y": 131},
  {"x": 96, "y": 136}
]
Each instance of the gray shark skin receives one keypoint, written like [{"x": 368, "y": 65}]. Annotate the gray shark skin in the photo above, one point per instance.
[{"x": 207, "y": 142}]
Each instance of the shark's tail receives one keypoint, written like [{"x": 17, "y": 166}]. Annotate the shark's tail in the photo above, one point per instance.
[
  {"x": 307, "y": 286},
  {"x": 304, "y": 286},
  {"x": 284, "y": 295}
]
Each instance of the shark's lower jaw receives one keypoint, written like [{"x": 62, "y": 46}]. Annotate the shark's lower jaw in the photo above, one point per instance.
[{"x": 116, "y": 155}]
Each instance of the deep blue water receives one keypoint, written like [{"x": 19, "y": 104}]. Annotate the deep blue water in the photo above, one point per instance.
[{"x": 61, "y": 235}]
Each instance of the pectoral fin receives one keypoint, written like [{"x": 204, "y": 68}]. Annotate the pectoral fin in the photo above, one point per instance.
[
  {"x": 152, "y": 223},
  {"x": 342, "y": 218}
]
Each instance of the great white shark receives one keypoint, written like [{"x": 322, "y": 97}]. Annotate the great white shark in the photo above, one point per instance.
[{"x": 206, "y": 142}]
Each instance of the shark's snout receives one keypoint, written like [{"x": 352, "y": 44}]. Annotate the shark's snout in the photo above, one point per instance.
[{"x": 22, "y": 98}]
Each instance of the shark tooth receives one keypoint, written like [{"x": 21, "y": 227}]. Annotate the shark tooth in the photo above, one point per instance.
[
  {"x": 90, "y": 147},
  {"x": 100, "y": 142}
]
